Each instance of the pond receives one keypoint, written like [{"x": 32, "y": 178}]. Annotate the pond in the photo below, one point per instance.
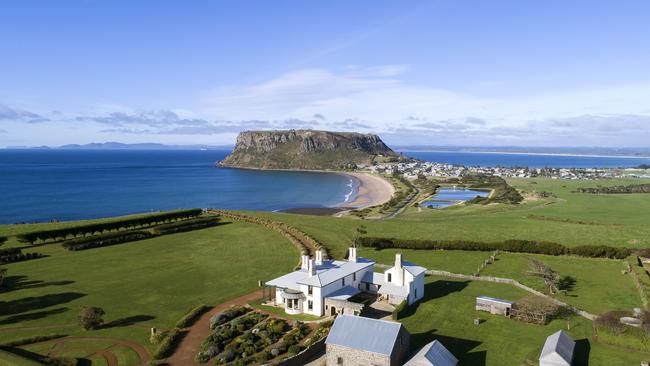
[{"x": 446, "y": 197}]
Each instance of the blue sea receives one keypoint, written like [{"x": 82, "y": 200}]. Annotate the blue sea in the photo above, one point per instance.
[
  {"x": 526, "y": 160},
  {"x": 44, "y": 185}
]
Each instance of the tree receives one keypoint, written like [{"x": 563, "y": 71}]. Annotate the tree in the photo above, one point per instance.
[
  {"x": 360, "y": 231},
  {"x": 550, "y": 277},
  {"x": 90, "y": 317}
]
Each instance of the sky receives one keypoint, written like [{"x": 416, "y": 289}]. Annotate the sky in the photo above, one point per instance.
[{"x": 464, "y": 73}]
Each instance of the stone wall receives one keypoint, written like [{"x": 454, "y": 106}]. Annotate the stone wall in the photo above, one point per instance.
[{"x": 353, "y": 357}]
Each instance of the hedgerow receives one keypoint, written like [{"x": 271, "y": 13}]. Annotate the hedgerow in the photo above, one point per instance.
[
  {"x": 192, "y": 316},
  {"x": 186, "y": 225},
  {"x": 105, "y": 240},
  {"x": 516, "y": 246}
]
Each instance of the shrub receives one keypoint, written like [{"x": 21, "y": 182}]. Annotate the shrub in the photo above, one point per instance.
[
  {"x": 294, "y": 350},
  {"x": 105, "y": 240},
  {"x": 192, "y": 316},
  {"x": 186, "y": 225},
  {"x": 3, "y": 239},
  {"x": 60, "y": 361},
  {"x": 35, "y": 339},
  {"x": 233, "y": 312},
  {"x": 11, "y": 255},
  {"x": 167, "y": 345},
  {"x": 99, "y": 228},
  {"x": 513, "y": 245},
  {"x": 90, "y": 317}
]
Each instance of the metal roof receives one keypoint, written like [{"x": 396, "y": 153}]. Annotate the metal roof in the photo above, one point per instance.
[
  {"x": 433, "y": 354},
  {"x": 495, "y": 300},
  {"x": 413, "y": 269},
  {"x": 371, "y": 335},
  {"x": 343, "y": 293},
  {"x": 558, "y": 349},
  {"x": 326, "y": 273}
]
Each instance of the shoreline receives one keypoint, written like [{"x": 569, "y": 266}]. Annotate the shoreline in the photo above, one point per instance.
[{"x": 373, "y": 190}]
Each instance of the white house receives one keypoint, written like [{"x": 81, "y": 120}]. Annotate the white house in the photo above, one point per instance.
[
  {"x": 403, "y": 281},
  {"x": 323, "y": 287},
  {"x": 558, "y": 350}
]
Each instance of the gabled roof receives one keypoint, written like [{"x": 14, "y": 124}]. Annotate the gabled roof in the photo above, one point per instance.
[
  {"x": 326, "y": 273},
  {"x": 558, "y": 349},
  {"x": 433, "y": 354},
  {"x": 343, "y": 293},
  {"x": 360, "y": 333},
  {"x": 413, "y": 269}
]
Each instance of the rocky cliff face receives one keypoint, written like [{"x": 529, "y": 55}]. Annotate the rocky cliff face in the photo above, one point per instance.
[{"x": 305, "y": 149}]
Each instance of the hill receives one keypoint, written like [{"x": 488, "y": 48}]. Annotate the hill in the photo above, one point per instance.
[{"x": 305, "y": 149}]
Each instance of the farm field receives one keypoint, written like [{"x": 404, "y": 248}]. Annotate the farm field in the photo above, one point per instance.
[
  {"x": 143, "y": 284},
  {"x": 568, "y": 218},
  {"x": 447, "y": 314}
]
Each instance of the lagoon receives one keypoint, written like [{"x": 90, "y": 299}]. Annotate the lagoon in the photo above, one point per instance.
[{"x": 446, "y": 197}]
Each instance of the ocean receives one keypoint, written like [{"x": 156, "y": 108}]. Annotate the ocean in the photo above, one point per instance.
[
  {"x": 44, "y": 185},
  {"x": 527, "y": 160}
]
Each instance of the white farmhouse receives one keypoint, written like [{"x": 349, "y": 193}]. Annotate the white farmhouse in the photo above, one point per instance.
[{"x": 323, "y": 287}]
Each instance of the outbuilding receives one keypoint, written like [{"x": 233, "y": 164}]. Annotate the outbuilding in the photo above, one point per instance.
[
  {"x": 494, "y": 305},
  {"x": 558, "y": 350},
  {"x": 356, "y": 340},
  {"x": 433, "y": 354}
]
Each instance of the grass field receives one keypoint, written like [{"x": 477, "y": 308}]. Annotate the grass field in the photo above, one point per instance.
[
  {"x": 150, "y": 283},
  {"x": 456, "y": 261},
  {"x": 447, "y": 314}
]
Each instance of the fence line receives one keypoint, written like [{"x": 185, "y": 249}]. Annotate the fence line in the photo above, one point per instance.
[{"x": 509, "y": 281}]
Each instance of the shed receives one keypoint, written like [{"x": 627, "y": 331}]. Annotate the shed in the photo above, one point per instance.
[
  {"x": 433, "y": 354},
  {"x": 558, "y": 350},
  {"x": 494, "y": 305},
  {"x": 355, "y": 340}
]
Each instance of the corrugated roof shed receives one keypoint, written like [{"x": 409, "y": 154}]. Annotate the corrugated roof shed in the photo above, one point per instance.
[
  {"x": 357, "y": 332},
  {"x": 433, "y": 354},
  {"x": 558, "y": 350}
]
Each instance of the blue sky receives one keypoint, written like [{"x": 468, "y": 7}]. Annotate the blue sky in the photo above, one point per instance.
[{"x": 537, "y": 73}]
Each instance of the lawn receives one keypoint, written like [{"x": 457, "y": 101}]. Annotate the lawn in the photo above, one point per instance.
[
  {"x": 447, "y": 314},
  {"x": 599, "y": 284},
  {"x": 149, "y": 283},
  {"x": 456, "y": 261}
]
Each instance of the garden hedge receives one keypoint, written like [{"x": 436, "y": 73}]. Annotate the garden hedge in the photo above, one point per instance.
[
  {"x": 100, "y": 228},
  {"x": 517, "y": 246},
  {"x": 186, "y": 225},
  {"x": 105, "y": 240}
]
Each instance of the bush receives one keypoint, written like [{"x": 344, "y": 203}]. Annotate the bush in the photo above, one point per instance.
[
  {"x": 99, "y": 228},
  {"x": 187, "y": 225},
  {"x": 90, "y": 317},
  {"x": 517, "y": 246},
  {"x": 168, "y": 344},
  {"x": 192, "y": 316},
  {"x": 105, "y": 240},
  {"x": 3, "y": 239},
  {"x": 60, "y": 361},
  {"x": 294, "y": 350},
  {"x": 11, "y": 255},
  {"x": 233, "y": 312},
  {"x": 35, "y": 339}
]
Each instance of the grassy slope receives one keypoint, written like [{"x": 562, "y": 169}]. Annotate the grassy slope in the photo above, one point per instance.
[
  {"x": 154, "y": 282},
  {"x": 447, "y": 314}
]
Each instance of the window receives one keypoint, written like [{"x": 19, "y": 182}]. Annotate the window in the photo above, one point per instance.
[
  {"x": 354, "y": 276},
  {"x": 310, "y": 290},
  {"x": 367, "y": 287},
  {"x": 339, "y": 360},
  {"x": 415, "y": 293},
  {"x": 343, "y": 281},
  {"x": 310, "y": 305},
  {"x": 390, "y": 277}
]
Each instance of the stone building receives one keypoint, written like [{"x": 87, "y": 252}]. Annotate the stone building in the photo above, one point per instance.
[{"x": 356, "y": 341}]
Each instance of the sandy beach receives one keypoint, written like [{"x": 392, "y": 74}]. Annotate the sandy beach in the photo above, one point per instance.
[{"x": 373, "y": 190}]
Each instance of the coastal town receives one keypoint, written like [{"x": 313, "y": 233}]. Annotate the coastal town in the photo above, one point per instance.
[{"x": 414, "y": 168}]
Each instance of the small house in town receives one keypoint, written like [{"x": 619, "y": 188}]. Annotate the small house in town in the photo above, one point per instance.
[
  {"x": 558, "y": 350},
  {"x": 328, "y": 287},
  {"x": 356, "y": 340},
  {"x": 433, "y": 354},
  {"x": 494, "y": 306}
]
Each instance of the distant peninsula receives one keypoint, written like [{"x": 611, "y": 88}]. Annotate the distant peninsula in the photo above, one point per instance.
[{"x": 306, "y": 149}]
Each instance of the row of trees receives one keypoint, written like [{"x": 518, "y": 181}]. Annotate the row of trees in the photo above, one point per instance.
[
  {"x": 10, "y": 255},
  {"x": 105, "y": 240},
  {"x": 100, "y": 228},
  {"x": 186, "y": 225},
  {"x": 517, "y": 246}
]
